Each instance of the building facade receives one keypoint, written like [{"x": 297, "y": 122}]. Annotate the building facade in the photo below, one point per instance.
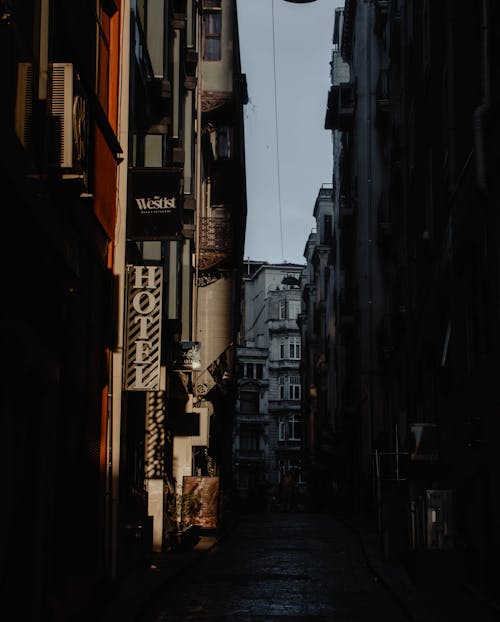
[
  {"x": 268, "y": 427},
  {"x": 60, "y": 156},
  {"x": 122, "y": 151},
  {"x": 416, "y": 278},
  {"x": 186, "y": 212},
  {"x": 318, "y": 368}
]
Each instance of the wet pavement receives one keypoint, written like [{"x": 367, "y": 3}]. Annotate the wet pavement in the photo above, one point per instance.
[{"x": 280, "y": 567}]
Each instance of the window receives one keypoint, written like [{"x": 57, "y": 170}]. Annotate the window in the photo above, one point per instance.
[
  {"x": 291, "y": 466},
  {"x": 259, "y": 368},
  {"x": 282, "y": 387},
  {"x": 327, "y": 229},
  {"x": 249, "y": 370},
  {"x": 293, "y": 309},
  {"x": 223, "y": 142},
  {"x": 282, "y": 428},
  {"x": 289, "y": 387},
  {"x": 282, "y": 309},
  {"x": 282, "y": 350},
  {"x": 249, "y": 401},
  {"x": 294, "y": 345},
  {"x": 289, "y": 428},
  {"x": 249, "y": 438},
  {"x": 294, "y": 428},
  {"x": 212, "y": 24},
  {"x": 294, "y": 388}
]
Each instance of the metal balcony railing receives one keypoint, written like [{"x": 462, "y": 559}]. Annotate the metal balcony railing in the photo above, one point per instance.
[{"x": 215, "y": 241}]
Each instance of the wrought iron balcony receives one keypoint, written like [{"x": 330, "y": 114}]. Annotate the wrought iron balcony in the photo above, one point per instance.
[{"x": 215, "y": 241}]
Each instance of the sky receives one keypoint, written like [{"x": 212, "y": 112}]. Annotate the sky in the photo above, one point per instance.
[{"x": 288, "y": 152}]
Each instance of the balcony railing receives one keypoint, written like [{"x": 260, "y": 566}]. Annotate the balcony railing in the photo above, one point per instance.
[
  {"x": 249, "y": 455},
  {"x": 215, "y": 242}
]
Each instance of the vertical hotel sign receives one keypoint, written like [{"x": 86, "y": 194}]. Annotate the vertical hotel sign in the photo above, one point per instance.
[{"x": 144, "y": 298}]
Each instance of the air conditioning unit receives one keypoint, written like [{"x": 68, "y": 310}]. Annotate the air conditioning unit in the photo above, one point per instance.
[
  {"x": 24, "y": 103},
  {"x": 60, "y": 108}
]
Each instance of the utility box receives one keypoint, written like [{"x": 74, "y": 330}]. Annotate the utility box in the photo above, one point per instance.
[
  {"x": 432, "y": 521},
  {"x": 439, "y": 519}
]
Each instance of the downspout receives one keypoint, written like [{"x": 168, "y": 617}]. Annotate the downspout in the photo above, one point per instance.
[
  {"x": 369, "y": 191},
  {"x": 198, "y": 187},
  {"x": 481, "y": 111},
  {"x": 119, "y": 272}
]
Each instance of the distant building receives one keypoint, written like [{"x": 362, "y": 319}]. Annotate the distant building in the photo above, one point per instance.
[{"x": 268, "y": 427}]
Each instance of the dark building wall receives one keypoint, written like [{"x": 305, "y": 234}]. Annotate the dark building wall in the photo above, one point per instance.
[
  {"x": 434, "y": 326},
  {"x": 57, "y": 333}
]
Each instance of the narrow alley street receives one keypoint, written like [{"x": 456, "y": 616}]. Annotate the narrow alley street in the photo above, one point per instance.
[{"x": 280, "y": 567}]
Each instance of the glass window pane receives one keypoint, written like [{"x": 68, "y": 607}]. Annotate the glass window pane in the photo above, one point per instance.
[{"x": 212, "y": 49}]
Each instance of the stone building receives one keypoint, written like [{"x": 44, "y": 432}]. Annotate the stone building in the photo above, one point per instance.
[{"x": 268, "y": 428}]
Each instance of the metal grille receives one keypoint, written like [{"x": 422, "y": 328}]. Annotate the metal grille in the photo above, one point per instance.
[{"x": 61, "y": 109}]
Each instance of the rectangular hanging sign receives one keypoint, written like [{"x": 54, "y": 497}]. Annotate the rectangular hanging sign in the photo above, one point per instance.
[
  {"x": 143, "y": 329},
  {"x": 154, "y": 204}
]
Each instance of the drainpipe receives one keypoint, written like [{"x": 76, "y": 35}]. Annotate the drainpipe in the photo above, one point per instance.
[
  {"x": 481, "y": 111},
  {"x": 370, "y": 258},
  {"x": 198, "y": 188},
  {"x": 119, "y": 271}
]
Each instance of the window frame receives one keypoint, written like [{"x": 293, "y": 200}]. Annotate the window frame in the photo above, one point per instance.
[
  {"x": 282, "y": 423},
  {"x": 212, "y": 29},
  {"x": 294, "y": 349},
  {"x": 282, "y": 309},
  {"x": 294, "y": 421}
]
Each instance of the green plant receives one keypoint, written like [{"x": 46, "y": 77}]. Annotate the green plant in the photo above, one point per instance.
[{"x": 182, "y": 510}]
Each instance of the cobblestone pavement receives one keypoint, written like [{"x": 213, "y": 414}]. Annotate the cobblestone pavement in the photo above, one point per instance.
[{"x": 281, "y": 567}]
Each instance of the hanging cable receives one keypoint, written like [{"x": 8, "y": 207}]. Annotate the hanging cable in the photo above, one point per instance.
[{"x": 277, "y": 138}]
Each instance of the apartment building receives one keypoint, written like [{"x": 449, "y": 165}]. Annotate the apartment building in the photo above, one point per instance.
[{"x": 268, "y": 427}]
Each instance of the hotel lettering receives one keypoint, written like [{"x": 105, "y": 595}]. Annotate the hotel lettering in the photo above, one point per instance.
[{"x": 143, "y": 331}]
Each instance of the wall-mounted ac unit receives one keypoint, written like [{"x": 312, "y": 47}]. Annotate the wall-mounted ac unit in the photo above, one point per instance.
[
  {"x": 60, "y": 109},
  {"x": 24, "y": 104}
]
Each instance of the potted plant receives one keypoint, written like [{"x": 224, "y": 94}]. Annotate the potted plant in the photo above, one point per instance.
[{"x": 182, "y": 510}]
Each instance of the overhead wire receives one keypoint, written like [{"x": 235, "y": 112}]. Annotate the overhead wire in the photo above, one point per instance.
[{"x": 278, "y": 176}]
